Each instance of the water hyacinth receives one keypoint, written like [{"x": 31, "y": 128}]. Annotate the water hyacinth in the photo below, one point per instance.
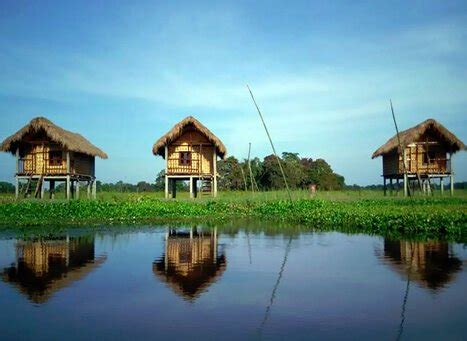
[{"x": 438, "y": 217}]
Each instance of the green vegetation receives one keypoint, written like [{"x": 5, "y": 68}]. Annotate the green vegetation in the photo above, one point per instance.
[{"x": 364, "y": 211}]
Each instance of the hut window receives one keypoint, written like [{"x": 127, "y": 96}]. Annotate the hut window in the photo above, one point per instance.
[
  {"x": 185, "y": 158},
  {"x": 428, "y": 157},
  {"x": 55, "y": 158}
]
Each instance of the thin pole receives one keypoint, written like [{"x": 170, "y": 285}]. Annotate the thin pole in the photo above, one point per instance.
[
  {"x": 400, "y": 146},
  {"x": 276, "y": 286},
  {"x": 244, "y": 178},
  {"x": 272, "y": 144},
  {"x": 249, "y": 168}
]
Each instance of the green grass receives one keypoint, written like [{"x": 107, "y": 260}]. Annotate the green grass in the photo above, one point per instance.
[{"x": 364, "y": 211}]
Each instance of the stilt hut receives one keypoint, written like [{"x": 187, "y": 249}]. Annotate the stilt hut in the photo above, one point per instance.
[
  {"x": 47, "y": 153},
  {"x": 44, "y": 267},
  {"x": 191, "y": 262},
  {"x": 426, "y": 154},
  {"x": 190, "y": 151}
]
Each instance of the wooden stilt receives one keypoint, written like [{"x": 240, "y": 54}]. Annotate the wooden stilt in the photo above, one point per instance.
[
  {"x": 441, "y": 185},
  {"x": 94, "y": 189},
  {"x": 166, "y": 187},
  {"x": 174, "y": 188},
  {"x": 68, "y": 188},
  {"x": 214, "y": 187},
  {"x": 406, "y": 185},
  {"x": 391, "y": 187},
  {"x": 398, "y": 187},
  {"x": 16, "y": 175},
  {"x": 195, "y": 187},
  {"x": 42, "y": 184},
  {"x": 16, "y": 187},
  {"x": 191, "y": 187},
  {"x": 77, "y": 189},
  {"x": 88, "y": 189},
  {"x": 452, "y": 184},
  {"x": 384, "y": 186},
  {"x": 52, "y": 189}
]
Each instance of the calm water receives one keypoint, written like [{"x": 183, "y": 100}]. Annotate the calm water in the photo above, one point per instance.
[{"x": 203, "y": 283}]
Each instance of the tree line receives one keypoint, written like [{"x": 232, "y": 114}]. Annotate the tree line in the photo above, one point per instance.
[{"x": 265, "y": 174}]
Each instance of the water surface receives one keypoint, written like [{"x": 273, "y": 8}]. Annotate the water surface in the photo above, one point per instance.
[{"x": 195, "y": 282}]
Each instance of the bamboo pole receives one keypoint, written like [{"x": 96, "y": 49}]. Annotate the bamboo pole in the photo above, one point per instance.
[
  {"x": 406, "y": 188},
  {"x": 249, "y": 168},
  {"x": 244, "y": 178},
  {"x": 272, "y": 144}
]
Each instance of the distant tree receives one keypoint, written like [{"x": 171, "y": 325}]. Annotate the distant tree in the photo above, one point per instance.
[
  {"x": 160, "y": 181},
  {"x": 144, "y": 186},
  {"x": 320, "y": 173},
  {"x": 230, "y": 174},
  {"x": 271, "y": 177},
  {"x": 6, "y": 187}
]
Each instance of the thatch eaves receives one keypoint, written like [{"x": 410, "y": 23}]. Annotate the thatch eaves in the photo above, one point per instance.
[
  {"x": 178, "y": 130},
  {"x": 413, "y": 134},
  {"x": 69, "y": 140}
]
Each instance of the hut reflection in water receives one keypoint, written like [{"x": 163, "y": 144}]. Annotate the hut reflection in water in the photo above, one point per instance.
[
  {"x": 43, "y": 267},
  {"x": 429, "y": 264},
  {"x": 191, "y": 262}
]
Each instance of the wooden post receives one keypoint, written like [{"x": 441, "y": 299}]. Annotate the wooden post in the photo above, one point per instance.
[
  {"x": 42, "y": 184},
  {"x": 384, "y": 185},
  {"x": 52, "y": 189},
  {"x": 88, "y": 189},
  {"x": 391, "y": 187},
  {"x": 452, "y": 183},
  {"x": 195, "y": 187},
  {"x": 452, "y": 174},
  {"x": 16, "y": 175},
  {"x": 166, "y": 153},
  {"x": 68, "y": 189},
  {"x": 174, "y": 188},
  {"x": 77, "y": 189},
  {"x": 94, "y": 189},
  {"x": 16, "y": 187},
  {"x": 214, "y": 164},
  {"x": 72, "y": 189},
  {"x": 405, "y": 185},
  {"x": 398, "y": 186},
  {"x": 166, "y": 187},
  {"x": 191, "y": 187},
  {"x": 441, "y": 185}
]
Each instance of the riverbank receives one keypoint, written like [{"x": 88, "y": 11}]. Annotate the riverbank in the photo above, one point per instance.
[{"x": 440, "y": 217}]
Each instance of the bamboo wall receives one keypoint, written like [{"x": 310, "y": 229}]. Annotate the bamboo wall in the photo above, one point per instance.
[
  {"x": 82, "y": 164},
  {"x": 415, "y": 160},
  {"x": 35, "y": 160},
  {"x": 202, "y": 153},
  {"x": 185, "y": 253}
]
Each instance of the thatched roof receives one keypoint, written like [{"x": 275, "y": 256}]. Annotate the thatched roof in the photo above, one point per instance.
[
  {"x": 178, "y": 130},
  {"x": 71, "y": 141},
  {"x": 413, "y": 134}
]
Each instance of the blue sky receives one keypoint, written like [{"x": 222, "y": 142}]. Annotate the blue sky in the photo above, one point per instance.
[{"x": 122, "y": 73}]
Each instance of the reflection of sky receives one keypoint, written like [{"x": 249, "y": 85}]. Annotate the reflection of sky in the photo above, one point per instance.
[{"x": 333, "y": 285}]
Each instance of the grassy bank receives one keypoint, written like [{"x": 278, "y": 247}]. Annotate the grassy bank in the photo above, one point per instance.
[{"x": 366, "y": 212}]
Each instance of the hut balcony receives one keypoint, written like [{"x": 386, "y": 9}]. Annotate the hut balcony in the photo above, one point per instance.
[
  {"x": 188, "y": 163},
  {"x": 52, "y": 163}
]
